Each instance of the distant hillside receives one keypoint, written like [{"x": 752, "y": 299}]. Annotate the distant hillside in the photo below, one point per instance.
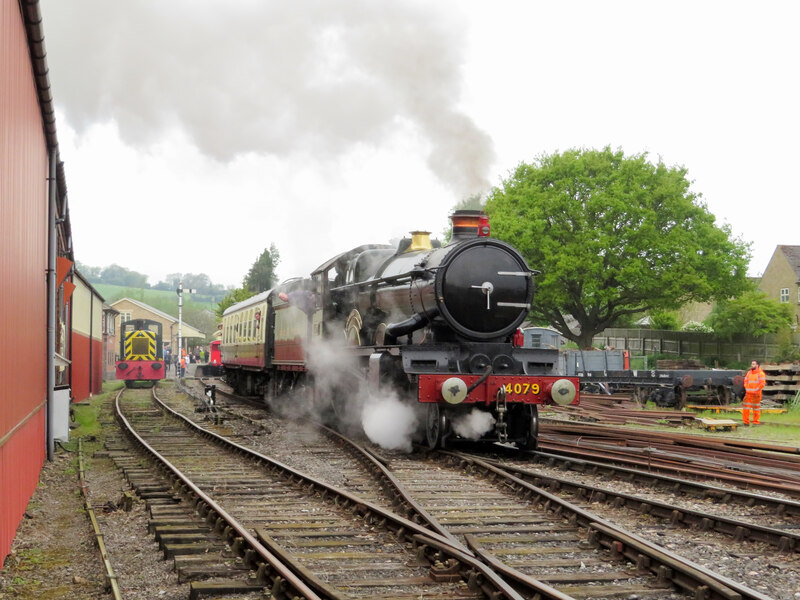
[{"x": 198, "y": 310}]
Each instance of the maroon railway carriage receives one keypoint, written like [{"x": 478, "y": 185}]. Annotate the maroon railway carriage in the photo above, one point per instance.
[{"x": 436, "y": 324}]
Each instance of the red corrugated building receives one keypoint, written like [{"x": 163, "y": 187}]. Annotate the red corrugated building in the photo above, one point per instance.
[{"x": 35, "y": 258}]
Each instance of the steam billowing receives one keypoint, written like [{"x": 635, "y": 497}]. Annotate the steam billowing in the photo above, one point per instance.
[
  {"x": 308, "y": 78},
  {"x": 386, "y": 420},
  {"x": 389, "y": 422},
  {"x": 474, "y": 424}
]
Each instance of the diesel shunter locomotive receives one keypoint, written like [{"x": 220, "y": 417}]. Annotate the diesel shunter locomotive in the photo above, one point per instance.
[
  {"x": 438, "y": 324},
  {"x": 140, "y": 352}
]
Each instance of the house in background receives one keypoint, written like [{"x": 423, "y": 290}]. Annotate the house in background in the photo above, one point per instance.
[
  {"x": 781, "y": 279},
  {"x": 133, "y": 309}
]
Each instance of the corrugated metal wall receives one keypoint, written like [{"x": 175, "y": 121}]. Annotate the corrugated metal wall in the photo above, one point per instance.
[
  {"x": 23, "y": 264},
  {"x": 21, "y": 460}
]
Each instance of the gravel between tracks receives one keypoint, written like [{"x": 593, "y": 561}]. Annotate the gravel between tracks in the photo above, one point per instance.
[
  {"x": 759, "y": 566},
  {"x": 54, "y": 555}
]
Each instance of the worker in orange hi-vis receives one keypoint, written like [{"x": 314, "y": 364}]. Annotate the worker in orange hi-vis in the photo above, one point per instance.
[{"x": 754, "y": 382}]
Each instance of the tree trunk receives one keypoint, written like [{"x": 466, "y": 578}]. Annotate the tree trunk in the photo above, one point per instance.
[{"x": 584, "y": 340}]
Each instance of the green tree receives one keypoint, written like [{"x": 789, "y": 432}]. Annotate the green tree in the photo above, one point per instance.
[
  {"x": 116, "y": 275},
  {"x": 613, "y": 236},
  {"x": 664, "y": 319},
  {"x": 92, "y": 274},
  {"x": 751, "y": 314},
  {"x": 232, "y": 297},
  {"x": 262, "y": 276}
]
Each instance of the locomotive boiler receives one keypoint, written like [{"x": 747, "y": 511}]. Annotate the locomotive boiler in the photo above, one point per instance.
[{"x": 434, "y": 323}]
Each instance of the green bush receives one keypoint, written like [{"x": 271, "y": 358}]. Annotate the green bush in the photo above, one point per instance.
[
  {"x": 664, "y": 320},
  {"x": 787, "y": 351},
  {"x": 695, "y": 326}
]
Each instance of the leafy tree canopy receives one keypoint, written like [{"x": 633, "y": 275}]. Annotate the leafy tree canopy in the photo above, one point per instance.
[
  {"x": 613, "y": 236},
  {"x": 116, "y": 275},
  {"x": 233, "y": 296},
  {"x": 262, "y": 276},
  {"x": 751, "y": 314},
  {"x": 92, "y": 274}
]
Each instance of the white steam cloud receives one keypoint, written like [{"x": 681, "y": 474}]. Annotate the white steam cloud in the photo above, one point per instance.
[
  {"x": 390, "y": 423},
  {"x": 474, "y": 424},
  {"x": 384, "y": 418},
  {"x": 308, "y": 77}
]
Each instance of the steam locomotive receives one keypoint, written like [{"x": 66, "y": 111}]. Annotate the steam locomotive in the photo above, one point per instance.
[{"x": 435, "y": 324}]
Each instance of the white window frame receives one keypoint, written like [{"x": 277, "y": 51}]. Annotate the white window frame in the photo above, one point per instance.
[
  {"x": 784, "y": 295},
  {"x": 124, "y": 317}
]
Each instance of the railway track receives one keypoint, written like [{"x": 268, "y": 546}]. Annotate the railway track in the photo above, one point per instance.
[
  {"x": 580, "y": 584},
  {"x": 753, "y": 466},
  {"x": 321, "y": 541},
  {"x": 740, "y": 514}
]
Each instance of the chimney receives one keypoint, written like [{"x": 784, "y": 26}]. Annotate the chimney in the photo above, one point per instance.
[{"x": 469, "y": 224}]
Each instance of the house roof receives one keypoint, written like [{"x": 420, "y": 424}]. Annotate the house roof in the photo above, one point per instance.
[
  {"x": 792, "y": 254},
  {"x": 161, "y": 314}
]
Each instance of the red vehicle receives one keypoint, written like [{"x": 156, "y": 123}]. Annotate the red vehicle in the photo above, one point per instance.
[
  {"x": 214, "y": 366},
  {"x": 140, "y": 352},
  {"x": 434, "y": 325}
]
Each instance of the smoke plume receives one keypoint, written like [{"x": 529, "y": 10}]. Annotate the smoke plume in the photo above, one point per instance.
[{"x": 307, "y": 78}]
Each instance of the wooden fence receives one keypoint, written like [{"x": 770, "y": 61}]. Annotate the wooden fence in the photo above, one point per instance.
[{"x": 689, "y": 344}]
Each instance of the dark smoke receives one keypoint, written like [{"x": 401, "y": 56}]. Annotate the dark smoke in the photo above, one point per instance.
[{"x": 307, "y": 77}]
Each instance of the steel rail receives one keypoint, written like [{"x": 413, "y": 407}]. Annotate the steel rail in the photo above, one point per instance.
[
  {"x": 247, "y": 546},
  {"x": 780, "y": 506},
  {"x": 687, "y": 575},
  {"x": 609, "y": 454},
  {"x": 431, "y": 543},
  {"x": 416, "y": 512},
  {"x": 112, "y": 584},
  {"x": 783, "y": 540}
]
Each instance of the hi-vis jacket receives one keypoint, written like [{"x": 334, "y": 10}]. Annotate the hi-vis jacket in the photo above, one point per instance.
[{"x": 754, "y": 381}]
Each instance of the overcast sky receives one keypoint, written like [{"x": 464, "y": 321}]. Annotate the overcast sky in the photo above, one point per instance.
[{"x": 320, "y": 125}]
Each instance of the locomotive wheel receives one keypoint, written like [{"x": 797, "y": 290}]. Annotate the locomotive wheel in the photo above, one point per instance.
[
  {"x": 531, "y": 441},
  {"x": 435, "y": 426}
]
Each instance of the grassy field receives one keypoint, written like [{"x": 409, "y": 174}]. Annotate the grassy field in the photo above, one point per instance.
[
  {"x": 165, "y": 301},
  {"x": 198, "y": 310},
  {"x": 775, "y": 428}
]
